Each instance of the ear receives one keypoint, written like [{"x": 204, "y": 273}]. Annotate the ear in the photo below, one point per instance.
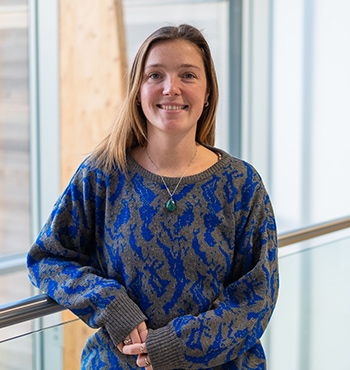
[
  {"x": 207, "y": 96},
  {"x": 206, "y": 101}
]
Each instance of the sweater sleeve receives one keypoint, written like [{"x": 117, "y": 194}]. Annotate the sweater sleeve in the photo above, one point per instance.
[
  {"x": 62, "y": 262},
  {"x": 230, "y": 330}
]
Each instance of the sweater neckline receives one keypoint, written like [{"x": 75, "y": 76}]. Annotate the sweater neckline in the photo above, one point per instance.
[{"x": 136, "y": 168}]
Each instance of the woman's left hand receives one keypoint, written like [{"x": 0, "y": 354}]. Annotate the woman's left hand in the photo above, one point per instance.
[{"x": 135, "y": 344}]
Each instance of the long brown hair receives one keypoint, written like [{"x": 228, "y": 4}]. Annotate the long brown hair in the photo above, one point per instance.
[{"x": 130, "y": 128}]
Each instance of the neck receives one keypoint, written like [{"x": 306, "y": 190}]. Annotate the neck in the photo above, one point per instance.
[
  {"x": 172, "y": 160},
  {"x": 170, "y": 153}
]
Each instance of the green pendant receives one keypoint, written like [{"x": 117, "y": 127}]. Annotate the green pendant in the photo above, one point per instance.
[{"x": 171, "y": 205}]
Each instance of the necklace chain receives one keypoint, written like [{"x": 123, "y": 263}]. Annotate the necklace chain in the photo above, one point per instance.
[{"x": 171, "y": 204}]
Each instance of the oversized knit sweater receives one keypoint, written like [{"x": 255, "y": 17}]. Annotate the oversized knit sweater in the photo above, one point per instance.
[{"x": 204, "y": 277}]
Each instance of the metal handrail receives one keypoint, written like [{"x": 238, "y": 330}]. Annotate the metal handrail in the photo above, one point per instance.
[
  {"x": 311, "y": 232},
  {"x": 28, "y": 309},
  {"x": 42, "y": 305}
]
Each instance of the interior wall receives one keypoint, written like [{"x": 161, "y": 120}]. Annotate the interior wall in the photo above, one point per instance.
[{"x": 93, "y": 65}]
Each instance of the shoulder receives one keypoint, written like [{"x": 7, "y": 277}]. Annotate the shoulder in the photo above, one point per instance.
[
  {"x": 91, "y": 176},
  {"x": 237, "y": 168},
  {"x": 240, "y": 178}
]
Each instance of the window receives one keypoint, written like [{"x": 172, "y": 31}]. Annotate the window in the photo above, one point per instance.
[
  {"x": 296, "y": 85},
  {"x": 14, "y": 144},
  {"x": 14, "y": 130},
  {"x": 211, "y": 17}
]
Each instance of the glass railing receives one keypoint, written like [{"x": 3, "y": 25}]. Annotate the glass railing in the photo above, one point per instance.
[
  {"x": 309, "y": 326},
  {"x": 35, "y": 345}
]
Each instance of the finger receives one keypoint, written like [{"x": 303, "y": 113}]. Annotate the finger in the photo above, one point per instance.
[
  {"x": 125, "y": 342},
  {"x": 143, "y": 332},
  {"x": 147, "y": 362},
  {"x": 135, "y": 336},
  {"x": 141, "y": 327},
  {"x": 135, "y": 349},
  {"x": 144, "y": 361}
]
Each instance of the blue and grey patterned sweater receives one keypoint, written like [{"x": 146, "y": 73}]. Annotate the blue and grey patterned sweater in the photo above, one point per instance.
[{"x": 204, "y": 277}]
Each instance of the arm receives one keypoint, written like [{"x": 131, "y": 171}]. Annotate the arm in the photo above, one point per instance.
[
  {"x": 63, "y": 263},
  {"x": 231, "y": 328}
]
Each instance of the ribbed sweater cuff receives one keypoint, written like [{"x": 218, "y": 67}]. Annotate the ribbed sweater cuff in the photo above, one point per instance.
[
  {"x": 121, "y": 317},
  {"x": 165, "y": 349}
]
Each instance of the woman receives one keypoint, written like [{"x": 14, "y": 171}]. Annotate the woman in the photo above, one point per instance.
[{"x": 163, "y": 242}]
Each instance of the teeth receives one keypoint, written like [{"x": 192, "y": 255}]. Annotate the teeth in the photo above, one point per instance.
[{"x": 172, "y": 107}]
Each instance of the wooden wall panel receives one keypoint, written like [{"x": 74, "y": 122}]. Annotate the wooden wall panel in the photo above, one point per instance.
[{"x": 93, "y": 65}]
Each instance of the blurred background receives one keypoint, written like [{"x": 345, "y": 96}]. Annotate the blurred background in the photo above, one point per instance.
[{"x": 284, "y": 77}]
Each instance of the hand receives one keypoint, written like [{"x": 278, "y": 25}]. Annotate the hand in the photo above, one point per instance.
[
  {"x": 138, "y": 335},
  {"x": 135, "y": 344}
]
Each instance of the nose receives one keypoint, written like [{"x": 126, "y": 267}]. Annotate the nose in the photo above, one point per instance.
[{"x": 171, "y": 86}]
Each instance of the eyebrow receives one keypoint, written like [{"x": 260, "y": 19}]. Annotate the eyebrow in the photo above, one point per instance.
[{"x": 157, "y": 65}]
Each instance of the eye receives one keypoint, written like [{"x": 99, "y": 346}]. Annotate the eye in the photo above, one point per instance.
[
  {"x": 154, "y": 76},
  {"x": 189, "y": 75}
]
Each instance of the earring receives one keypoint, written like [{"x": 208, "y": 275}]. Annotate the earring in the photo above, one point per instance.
[
  {"x": 138, "y": 102},
  {"x": 206, "y": 105}
]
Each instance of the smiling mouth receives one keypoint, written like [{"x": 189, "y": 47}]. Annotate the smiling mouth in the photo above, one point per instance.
[{"x": 172, "y": 107}]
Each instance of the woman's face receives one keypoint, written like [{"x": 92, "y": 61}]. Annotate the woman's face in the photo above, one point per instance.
[{"x": 174, "y": 87}]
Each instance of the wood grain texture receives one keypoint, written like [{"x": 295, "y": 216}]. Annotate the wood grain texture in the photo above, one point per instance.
[{"x": 93, "y": 68}]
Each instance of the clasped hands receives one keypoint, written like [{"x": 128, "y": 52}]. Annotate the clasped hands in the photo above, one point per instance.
[{"x": 135, "y": 344}]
